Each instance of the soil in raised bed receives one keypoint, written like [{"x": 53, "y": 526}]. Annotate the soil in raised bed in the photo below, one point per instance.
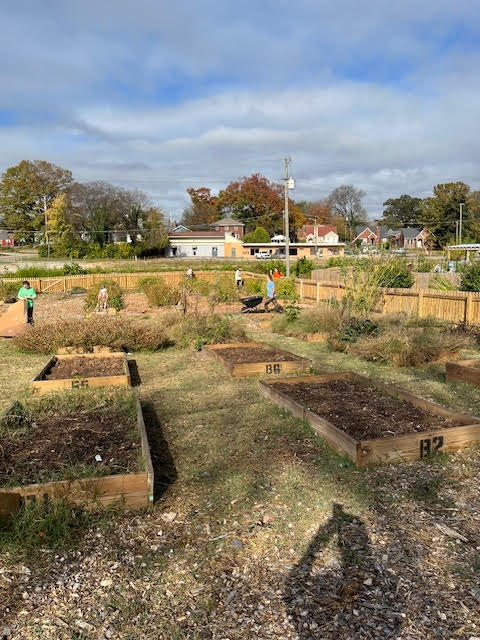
[
  {"x": 54, "y": 446},
  {"x": 80, "y": 367},
  {"x": 249, "y": 355},
  {"x": 363, "y": 412}
]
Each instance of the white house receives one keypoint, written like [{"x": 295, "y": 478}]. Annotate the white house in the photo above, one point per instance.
[{"x": 203, "y": 244}]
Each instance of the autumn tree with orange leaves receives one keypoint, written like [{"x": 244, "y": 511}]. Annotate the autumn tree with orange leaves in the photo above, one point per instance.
[{"x": 258, "y": 202}]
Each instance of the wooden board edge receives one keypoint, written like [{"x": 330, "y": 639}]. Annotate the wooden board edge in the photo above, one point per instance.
[
  {"x": 39, "y": 376},
  {"x": 145, "y": 450}
]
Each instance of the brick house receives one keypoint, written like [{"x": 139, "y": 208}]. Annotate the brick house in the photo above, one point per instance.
[
  {"x": 411, "y": 238},
  {"x": 230, "y": 225},
  {"x": 6, "y": 238},
  {"x": 373, "y": 235}
]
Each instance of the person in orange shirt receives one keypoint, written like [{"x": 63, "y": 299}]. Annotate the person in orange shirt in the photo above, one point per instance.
[{"x": 276, "y": 274}]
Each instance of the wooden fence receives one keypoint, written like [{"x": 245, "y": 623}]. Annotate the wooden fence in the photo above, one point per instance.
[
  {"x": 454, "y": 306},
  {"x": 127, "y": 281}
]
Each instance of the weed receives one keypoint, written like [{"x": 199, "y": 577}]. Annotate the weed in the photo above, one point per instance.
[{"x": 159, "y": 293}]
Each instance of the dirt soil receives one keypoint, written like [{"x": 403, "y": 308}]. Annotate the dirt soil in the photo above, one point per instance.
[
  {"x": 247, "y": 355},
  {"x": 362, "y": 412},
  {"x": 49, "y": 447},
  {"x": 81, "y": 367}
]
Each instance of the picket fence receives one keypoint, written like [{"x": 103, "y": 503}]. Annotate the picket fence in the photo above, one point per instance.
[
  {"x": 127, "y": 281},
  {"x": 454, "y": 306}
]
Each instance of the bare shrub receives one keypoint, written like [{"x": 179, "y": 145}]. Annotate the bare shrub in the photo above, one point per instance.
[{"x": 118, "y": 333}]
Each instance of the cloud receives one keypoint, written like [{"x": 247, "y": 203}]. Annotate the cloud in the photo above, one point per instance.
[{"x": 162, "y": 96}]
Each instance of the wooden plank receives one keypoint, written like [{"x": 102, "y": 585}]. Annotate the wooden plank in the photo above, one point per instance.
[
  {"x": 40, "y": 386},
  {"x": 135, "y": 490},
  {"x": 463, "y": 371},
  {"x": 381, "y": 450},
  {"x": 272, "y": 367},
  {"x": 417, "y": 445}
]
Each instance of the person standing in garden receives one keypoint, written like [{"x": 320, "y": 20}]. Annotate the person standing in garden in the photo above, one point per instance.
[
  {"x": 26, "y": 292},
  {"x": 271, "y": 295},
  {"x": 103, "y": 298},
  {"x": 190, "y": 273},
  {"x": 239, "y": 278}
]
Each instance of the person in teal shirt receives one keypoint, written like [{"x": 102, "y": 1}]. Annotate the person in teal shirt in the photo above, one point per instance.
[
  {"x": 271, "y": 295},
  {"x": 27, "y": 293}
]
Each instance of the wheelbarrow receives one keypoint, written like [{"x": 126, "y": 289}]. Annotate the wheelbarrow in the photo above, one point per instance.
[{"x": 251, "y": 303}]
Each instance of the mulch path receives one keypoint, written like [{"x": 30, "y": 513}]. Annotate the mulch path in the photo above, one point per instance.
[
  {"x": 52, "y": 445},
  {"x": 85, "y": 368},
  {"x": 362, "y": 412},
  {"x": 247, "y": 355}
]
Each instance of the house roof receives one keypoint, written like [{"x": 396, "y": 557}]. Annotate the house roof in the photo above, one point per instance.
[
  {"x": 180, "y": 228},
  {"x": 197, "y": 234},
  {"x": 360, "y": 228},
  {"x": 410, "y": 232},
  {"x": 5, "y": 235},
  {"x": 227, "y": 221}
]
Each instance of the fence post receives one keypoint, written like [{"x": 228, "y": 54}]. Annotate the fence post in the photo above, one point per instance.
[
  {"x": 420, "y": 304},
  {"x": 301, "y": 288},
  {"x": 318, "y": 292},
  {"x": 469, "y": 308}
]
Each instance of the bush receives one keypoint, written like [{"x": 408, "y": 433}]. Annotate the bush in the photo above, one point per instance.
[
  {"x": 395, "y": 275},
  {"x": 406, "y": 347},
  {"x": 269, "y": 266},
  {"x": 440, "y": 283},
  {"x": 196, "y": 286},
  {"x": 117, "y": 333},
  {"x": 303, "y": 267},
  {"x": 351, "y": 329},
  {"x": 259, "y": 235},
  {"x": 199, "y": 329},
  {"x": 317, "y": 320},
  {"x": 286, "y": 289},
  {"x": 73, "y": 269},
  {"x": 470, "y": 277},
  {"x": 423, "y": 265},
  {"x": 223, "y": 290},
  {"x": 115, "y": 295},
  {"x": 159, "y": 293},
  {"x": 8, "y": 290}
]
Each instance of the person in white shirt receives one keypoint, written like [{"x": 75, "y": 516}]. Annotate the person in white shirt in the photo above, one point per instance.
[
  {"x": 239, "y": 278},
  {"x": 189, "y": 272}
]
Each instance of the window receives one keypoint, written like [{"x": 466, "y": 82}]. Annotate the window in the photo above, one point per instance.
[
  {"x": 194, "y": 251},
  {"x": 293, "y": 252},
  {"x": 312, "y": 251},
  {"x": 226, "y": 228},
  {"x": 252, "y": 252},
  {"x": 214, "y": 252},
  {"x": 217, "y": 228},
  {"x": 235, "y": 228},
  {"x": 234, "y": 253}
]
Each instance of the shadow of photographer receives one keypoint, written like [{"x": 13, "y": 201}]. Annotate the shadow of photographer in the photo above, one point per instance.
[{"x": 351, "y": 595}]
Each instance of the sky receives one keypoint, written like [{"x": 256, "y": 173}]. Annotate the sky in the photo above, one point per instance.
[{"x": 162, "y": 96}]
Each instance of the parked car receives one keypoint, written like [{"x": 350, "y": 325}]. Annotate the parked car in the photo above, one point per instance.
[
  {"x": 263, "y": 255},
  {"x": 400, "y": 251}
]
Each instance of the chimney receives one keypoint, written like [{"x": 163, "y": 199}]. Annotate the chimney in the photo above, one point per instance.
[{"x": 379, "y": 236}]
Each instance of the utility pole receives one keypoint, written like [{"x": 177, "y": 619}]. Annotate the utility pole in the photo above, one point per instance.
[
  {"x": 46, "y": 225},
  {"x": 287, "y": 230},
  {"x": 462, "y": 204},
  {"x": 316, "y": 237},
  {"x": 456, "y": 231}
]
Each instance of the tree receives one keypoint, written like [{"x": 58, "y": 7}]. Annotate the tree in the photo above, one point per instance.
[
  {"x": 27, "y": 190},
  {"x": 156, "y": 234},
  {"x": 258, "y": 202},
  {"x": 441, "y": 211},
  {"x": 259, "y": 235},
  {"x": 320, "y": 210},
  {"x": 404, "y": 211},
  {"x": 203, "y": 210},
  {"x": 346, "y": 201}
]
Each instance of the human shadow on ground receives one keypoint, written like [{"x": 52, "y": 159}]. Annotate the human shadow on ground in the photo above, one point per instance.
[
  {"x": 162, "y": 460},
  {"x": 350, "y": 596},
  {"x": 134, "y": 373}
]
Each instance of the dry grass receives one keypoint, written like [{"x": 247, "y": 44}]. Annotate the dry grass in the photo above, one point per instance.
[{"x": 216, "y": 556}]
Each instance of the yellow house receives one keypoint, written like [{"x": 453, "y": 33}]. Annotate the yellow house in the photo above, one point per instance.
[{"x": 297, "y": 249}]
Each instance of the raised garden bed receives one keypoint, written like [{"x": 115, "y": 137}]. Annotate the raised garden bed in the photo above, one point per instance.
[
  {"x": 372, "y": 422},
  {"x": 92, "y": 452},
  {"x": 81, "y": 370},
  {"x": 464, "y": 371},
  {"x": 256, "y": 358}
]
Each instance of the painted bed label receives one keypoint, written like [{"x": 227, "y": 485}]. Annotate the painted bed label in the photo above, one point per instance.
[
  {"x": 79, "y": 383},
  {"x": 430, "y": 446},
  {"x": 273, "y": 368}
]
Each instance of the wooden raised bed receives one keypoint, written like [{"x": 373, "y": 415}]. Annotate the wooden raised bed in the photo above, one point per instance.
[
  {"x": 40, "y": 385},
  {"x": 288, "y": 363},
  {"x": 464, "y": 371},
  {"x": 402, "y": 448},
  {"x": 135, "y": 490}
]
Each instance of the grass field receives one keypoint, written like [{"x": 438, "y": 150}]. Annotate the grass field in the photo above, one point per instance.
[{"x": 247, "y": 538}]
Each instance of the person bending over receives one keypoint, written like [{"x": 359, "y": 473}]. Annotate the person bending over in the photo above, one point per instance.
[{"x": 271, "y": 295}]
